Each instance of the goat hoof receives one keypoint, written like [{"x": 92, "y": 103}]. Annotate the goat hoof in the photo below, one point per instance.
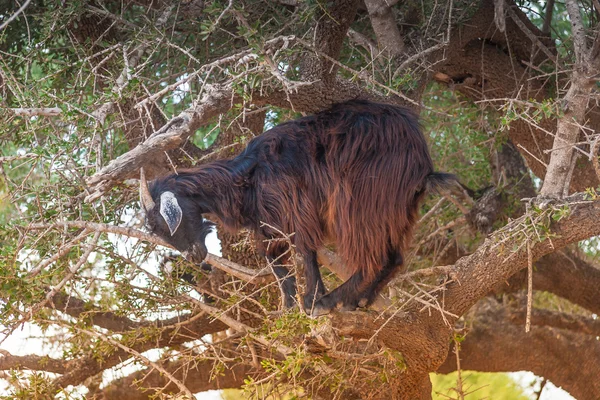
[
  {"x": 309, "y": 301},
  {"x": 348, "y": 307},
  {"x": 288, "y": 305},
  {"x": 362, "y": 303},
  {"x": 319, "y": 310}
]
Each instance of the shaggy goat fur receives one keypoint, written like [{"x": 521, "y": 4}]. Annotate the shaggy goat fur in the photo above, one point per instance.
[{"x": 352, "y": 176}]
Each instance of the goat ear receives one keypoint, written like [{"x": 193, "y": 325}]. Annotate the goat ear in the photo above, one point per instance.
[{"x": 170, "y": 210}]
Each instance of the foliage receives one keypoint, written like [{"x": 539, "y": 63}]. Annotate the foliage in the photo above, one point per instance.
[{"x": 477, "y": 385}]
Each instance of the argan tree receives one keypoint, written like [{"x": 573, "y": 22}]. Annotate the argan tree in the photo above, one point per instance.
[{"x": 502, "y": 275}]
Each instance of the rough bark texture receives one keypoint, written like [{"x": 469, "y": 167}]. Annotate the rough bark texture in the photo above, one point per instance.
[
  {"x": 565, "y": 274},
  {"x": 486, "y": 64},
  {"x": 558, "y": 177},
  {"x": 198, "y": 378},
  {"x": 385, "y": 26},
  {"x": 546, "y": 351}
]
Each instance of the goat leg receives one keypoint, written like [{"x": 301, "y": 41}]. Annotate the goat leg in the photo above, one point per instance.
[
  {"x": 356, "y": 291},
  {"x": 314, "y": 284},
  {"x": 287, "y": 286}
]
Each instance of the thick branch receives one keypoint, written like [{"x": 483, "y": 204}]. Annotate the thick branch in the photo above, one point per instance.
[
  {"x": 566, "y": 275},
  {"x": 198, "y": 377},
  {"x": 31, "y": 362},
  {"x": 554, "y": 319},
  {"x": 217, "y": 100},
  {"x": 333, "y": 21},
  {"x": 78, "y": 308},
  {"x": 578, "y": 31},
  {"x": 182, "y": 331},
  {"x": 385, "y": 26},
  {"x": 567, "y": 359},
  {"x": 562, "y": 160},
  {"x": 495, "y": 260}
]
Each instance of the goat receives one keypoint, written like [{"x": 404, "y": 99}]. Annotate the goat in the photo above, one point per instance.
[{"x": 352, "y": 176}]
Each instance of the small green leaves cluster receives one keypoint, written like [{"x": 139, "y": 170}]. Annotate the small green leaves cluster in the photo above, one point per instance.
[
  {"x": 290, "y": 326},
  {"x": 531, "y": 111},
  {"x": 534, "y": 226}
]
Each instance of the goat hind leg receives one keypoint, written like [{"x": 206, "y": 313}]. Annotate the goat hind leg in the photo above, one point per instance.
[
  {"x": 356, "y": 291},
  {"x": 386, "y": 274},
  {"x": 346, "y": 296}
]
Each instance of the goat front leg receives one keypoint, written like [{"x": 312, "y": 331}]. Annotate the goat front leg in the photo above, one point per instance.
[
  {"x": 276, "y": 255},
  {"x": 287, "y": 286},
  {"x": 314, "y": 284}
]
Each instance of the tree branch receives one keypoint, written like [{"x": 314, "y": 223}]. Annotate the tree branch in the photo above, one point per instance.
[
  {"x": 562, "y": 162},
  {"x": 333, "y": 21},
  {"x": 30, "y": 112},
  {"x": 564, "y": 274},
  {"x": 385, "y": 26},
  {"x": 181, "y": 331},
  {"x": 31, "y": 362},
  {"x": 492, "y": 330},
  {"x": 495, "y": 260},
  {"x": 572, "y": 322},
  {"x": 198, "y": 377},
  {"x": 217, "y": 100}
]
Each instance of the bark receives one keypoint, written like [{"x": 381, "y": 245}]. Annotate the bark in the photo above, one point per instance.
[
  {"x": 571, "y": 322},
  {"x": 31, "y": 362},
  {"x": 545, "y": 351},
  {"x": 496, "y": 260},
  {"x": 385, "y": 26},
  {"x": 564, "y": 274},
  {"x": 557, "y": 180},
  {"x": 562, "y": 161},
  {"x": 333, "y": 22},
  {"x": 198, "y": 377},
  {"x": 83, "y": 310},
  {"x": 80, "y": 369},
  {"x": 487, "y": 65}
]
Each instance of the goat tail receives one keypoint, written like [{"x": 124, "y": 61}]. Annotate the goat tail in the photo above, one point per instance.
[{"x": 437, "y": 182}]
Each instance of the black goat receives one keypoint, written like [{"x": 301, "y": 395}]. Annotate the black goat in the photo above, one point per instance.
[{"x": 352, "y": 176}]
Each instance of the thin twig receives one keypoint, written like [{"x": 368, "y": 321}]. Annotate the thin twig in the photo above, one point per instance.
[
  {"x": 15, "y": 15},
  {"x": 31, "y": 112},
  {"x": 140, "y": 356},
  {"x": 246, "y": 274},
  {"x": 529, "y": 287}
]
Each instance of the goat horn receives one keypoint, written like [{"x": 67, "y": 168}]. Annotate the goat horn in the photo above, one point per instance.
[{"x": 145, "y": 196}]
